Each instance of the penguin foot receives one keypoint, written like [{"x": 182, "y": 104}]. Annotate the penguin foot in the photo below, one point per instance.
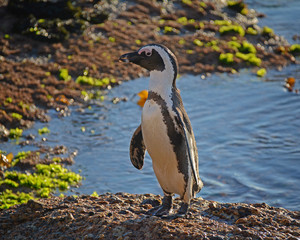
[
  {"x": 160, "y": 211},
  {"x": 164, "y": 209},
  {"x": 182, "y": 211}
]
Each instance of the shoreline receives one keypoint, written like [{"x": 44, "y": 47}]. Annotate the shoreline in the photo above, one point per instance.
[{"x": 123, "y": 216}]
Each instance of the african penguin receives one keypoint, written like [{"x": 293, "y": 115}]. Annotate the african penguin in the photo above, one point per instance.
[{"x": 165, "y": 132}]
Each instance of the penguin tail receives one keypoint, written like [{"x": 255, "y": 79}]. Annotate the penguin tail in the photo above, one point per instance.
[{"x": 197, "y": 186}]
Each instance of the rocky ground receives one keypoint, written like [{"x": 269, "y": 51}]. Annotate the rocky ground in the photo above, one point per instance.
[{"x": 124, "y": 216}]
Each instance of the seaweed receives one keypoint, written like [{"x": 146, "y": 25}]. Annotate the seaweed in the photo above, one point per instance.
[
  {"x": 232, "y": 29},
  {"x": 226, "y": 58},
  {"x": 16, "y": 116},
  {"x": 267, "y": 31},
  {"x": 64, "y": 74},
  {"x": 238, "y": 6},
  {"x": 15, "y": 133},
  {"x": 43, "y": 130},
  {"x": 250, "y": 58},
  {"x": 41, "y": 183},
  {"x": 261, "y": 72},
  {"x": 295, "y": 49}
]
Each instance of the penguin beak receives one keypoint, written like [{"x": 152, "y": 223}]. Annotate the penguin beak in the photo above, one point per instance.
[{"x": 133, "y": 57}]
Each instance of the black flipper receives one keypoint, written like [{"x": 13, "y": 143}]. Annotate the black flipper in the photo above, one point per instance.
[
  {"x": 189, "y": 144},
  {"x": 137, "y": 148},
  {"x": 186, "y": 128}
]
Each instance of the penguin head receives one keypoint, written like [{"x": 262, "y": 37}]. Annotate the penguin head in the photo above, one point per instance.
[{"x": 153, "y": 57}]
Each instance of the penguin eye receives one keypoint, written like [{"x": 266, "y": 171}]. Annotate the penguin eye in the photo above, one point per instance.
[{"x": 148, "y": 54}]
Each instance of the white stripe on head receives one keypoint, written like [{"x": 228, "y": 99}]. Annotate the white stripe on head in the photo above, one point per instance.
[
  {"x": 146, "y": 50},
  {"x": 161, "y": 81}
]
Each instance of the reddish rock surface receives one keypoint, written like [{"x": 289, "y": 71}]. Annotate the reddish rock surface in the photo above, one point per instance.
[{"x": 123, "y": 216}]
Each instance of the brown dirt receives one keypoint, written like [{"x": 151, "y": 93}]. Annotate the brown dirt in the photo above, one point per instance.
[{"x": 123, "y": 216}]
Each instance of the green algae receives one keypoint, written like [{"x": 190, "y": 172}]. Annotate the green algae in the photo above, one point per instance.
[
  {"x": 8, "y": 100},
  {"x": 64, "y": 74},
  {"x": 94, "y": 194},
  {"x": 15, "y": 133},
  {"x": 267, "y": 31},
  {"x": 261, "y": 72},
  {"x": 214, "y": 45},
  {"x": 250, "y": 58},
  {"x": 112, "y": 39},
  {"x": 238, "y": 6},
  {"x": 8, "y": 198},
  {"x": 23, "y": 105},
  {"x": 245, "y": 51},
  {"x": 232, "y": 29},
  {"x": 251, "y": 31},
  {"x": 22, "y": 155},
  {"x": 247, "y": 47},
  {"x": 168, "y": 29},
  {"x": 182, "y": 41},
  {"x": 16, "y": 116},
  {"x": 187, "y": 2},
  {"x": 41, "y": 183},
  {"x": 223, "y": 22},
  {"x": 92, "y": 95},
  {"x": 86, "y": 80},
  {"x": 56, "y": 159},
  {"x": 234, "y": 45},
  {"x": 295, "y": 48},
  {"x": 189, "y": 51},
  {"x": 185, "y": 20},
  {"x": 182, "y": 20},
  {"x": 138, "y": 41},
  {"x": 226, "y": 58},
  {"x": 43, "y": 130},
  {"x": 10, "y": 183},
  {"x": 198, "y": 43}
]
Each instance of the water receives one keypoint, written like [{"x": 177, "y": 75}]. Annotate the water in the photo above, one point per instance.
[
  {"x": 247, "y": 131},
  {"x": 281, "y": 15}
]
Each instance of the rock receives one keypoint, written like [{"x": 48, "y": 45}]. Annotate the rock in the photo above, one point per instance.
[
  {"x": 34, "y": 204},
  {"x": 111, "y": 216}
]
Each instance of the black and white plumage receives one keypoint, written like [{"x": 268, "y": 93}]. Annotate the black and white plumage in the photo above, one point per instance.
[{"x": 165, "y": 132}]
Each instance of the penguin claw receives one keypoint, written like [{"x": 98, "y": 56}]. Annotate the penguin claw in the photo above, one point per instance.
[
  {"x": 162, "y": 211},
  {"x": 152, "y": 210},
  {"x": 183, "y": 211}
]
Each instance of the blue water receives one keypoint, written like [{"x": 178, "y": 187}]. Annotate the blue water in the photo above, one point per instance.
[
  {"x": 281, "y": 15},
  {"x": 247, "y": 131}
]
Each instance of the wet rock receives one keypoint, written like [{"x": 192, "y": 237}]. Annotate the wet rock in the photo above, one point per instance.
[
  {"x": 34, "y": 205},
  {"x": 3, "y": 132},
  {"x": 41, "y": 9}
]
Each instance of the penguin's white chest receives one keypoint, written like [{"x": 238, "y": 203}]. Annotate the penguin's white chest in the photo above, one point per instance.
[{"x": 160, "y": 149}]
